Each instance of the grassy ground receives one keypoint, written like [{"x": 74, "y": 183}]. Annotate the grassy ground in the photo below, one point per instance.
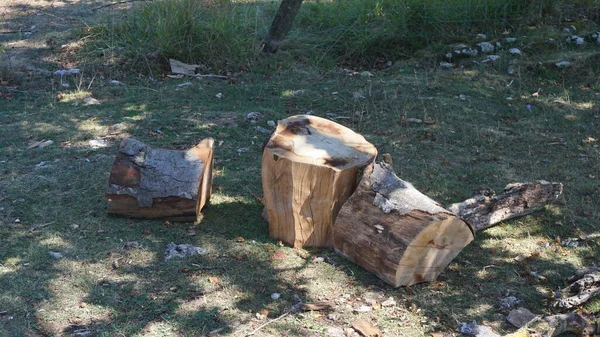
[{"x": 484, "y": 136}]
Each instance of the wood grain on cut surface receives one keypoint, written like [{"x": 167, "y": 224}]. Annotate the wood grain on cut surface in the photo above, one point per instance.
[
  {"x": 391, "y": 229},
  {"x": 309, "y": 169}
]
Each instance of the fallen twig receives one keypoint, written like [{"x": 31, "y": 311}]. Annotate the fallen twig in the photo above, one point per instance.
[
  {"x": 485, "y": 210},
  {"x": 585, "y": 285},
  {"x": 269, "y": 322},
  {"x": 114, "y": 4}
]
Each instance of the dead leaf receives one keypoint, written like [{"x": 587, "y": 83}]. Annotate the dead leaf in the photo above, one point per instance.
[
  {"x": 240, "y": 239},
  {"x": 214, "y": 279},
  {"x": 278, "y": 255}
]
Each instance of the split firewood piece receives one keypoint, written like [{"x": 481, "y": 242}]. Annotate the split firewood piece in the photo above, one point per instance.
[
  {"x": 519, "y": 199},
  {"x": 310, "y": 167},
  {"x": 391, "y": 229},
  {"x": 366, "y": 329},
  {"x": 585, "y": 285},
  {"x": 154, "y": 183}
]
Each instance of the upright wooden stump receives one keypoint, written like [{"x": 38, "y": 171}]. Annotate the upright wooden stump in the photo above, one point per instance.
[
  {"x": 310, "y": 167},
  {"x": 391, "y": 229},
  {"x": 153, "y": 183}
]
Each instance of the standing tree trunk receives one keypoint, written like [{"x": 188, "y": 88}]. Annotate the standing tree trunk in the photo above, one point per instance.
[
  {"x": 310, "y": 167},
  {"x": 281, "y": 25}
]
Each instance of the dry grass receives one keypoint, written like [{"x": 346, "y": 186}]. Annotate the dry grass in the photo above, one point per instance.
[{"x": 479, "y": 140}]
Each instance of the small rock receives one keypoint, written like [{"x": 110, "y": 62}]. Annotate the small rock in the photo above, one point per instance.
[
  {"x": 414, "y": 120},
  {"x": 219, "y": 95},
  {"x": 318, "y": 259},
  {"x": 185, "y": 84},
  {"x": 45, "y": 143},
  {"x": 17, "y": 220},
  {"x": 491, "y": 58},
  {"x": 363, "y": 308},
  {"x": 263, "y": 130},
  {"x": 55, "y": 255},
  {"x": 563, "y": 64},
  {"x": 366, "y": 74},
  {"x": 182, "y": 250},
  {"x": 253, "y": 116},
  {"x": 486, "y": 47},
  {"x": 509, "y": 302},
  {"x": 446, "y": 65},
  {"x": 566, "y": 30},
  {"x": 390, "y": 302},
  {"x": 514, "y": 51},
  {"x": 477, "y": 330},
  {"x": 596, "y": 37},
  {"x": 98, "y": 143},
  {"x": 117, "y": 83},
  {"x": 481, "y": 37},
  {"x": 91, "y": 101},
  {"x": 243, "y": 149},
  {"x": 462, "y": 97},
  {"x": 510, "y": 39},
  {"x": 358, "y": 95},
  {"x": 519, "y": 317},
  {"x": 131, "y": 244},
  {"x": 335, "y": 332},
  {"x": 275, "y": 296},
  {"x": 271, "y": 124},
  {"x": 550, "y": 40}
]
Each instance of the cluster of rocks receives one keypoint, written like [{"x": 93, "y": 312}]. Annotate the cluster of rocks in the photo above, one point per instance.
[{"x": 491, "y": 48}]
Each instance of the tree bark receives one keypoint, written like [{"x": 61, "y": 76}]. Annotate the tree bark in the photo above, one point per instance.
[
  {"x": 153, "y": 183},
  {"x": 310, "y": 167},
  {"x": 585, "y": 284},
  {"x": 391, "y": 229},
  {"x": 484, "y": 210},
  {"x": 281, "y": 25}
]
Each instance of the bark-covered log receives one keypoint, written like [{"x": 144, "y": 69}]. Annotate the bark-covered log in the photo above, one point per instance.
[
  {"x": 154, "y": 183},
  {"x": 391, "y": 229},
  {"x": 585, "y": 284},
  {"x": 519, "y": 199},
  {"x": 310, "y": 167}
]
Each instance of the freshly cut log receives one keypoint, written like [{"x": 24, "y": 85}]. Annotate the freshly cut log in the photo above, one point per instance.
[
  {"x": 310, "y": 167},
  {"x": 154, "y": 183},
  {"x": 519, "y": 199},
  {"x": 391, "y": 229}
]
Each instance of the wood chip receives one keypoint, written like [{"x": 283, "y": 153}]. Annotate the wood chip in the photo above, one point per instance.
[
  {"x": 366, "y": 329},
  {"x": 317, "y": 306}
]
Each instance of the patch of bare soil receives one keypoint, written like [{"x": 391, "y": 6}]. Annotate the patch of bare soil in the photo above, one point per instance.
[{"x": 36, "y": 37}]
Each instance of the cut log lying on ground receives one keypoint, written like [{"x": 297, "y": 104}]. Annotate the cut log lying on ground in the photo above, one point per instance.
[
  {"x": 585, "y": 284},
  {"x": 310, "y": 167},
  {"x": 153, "y": 183},
  {"x": 519, "y": 199},
  {"x": 391, "y": 229}
]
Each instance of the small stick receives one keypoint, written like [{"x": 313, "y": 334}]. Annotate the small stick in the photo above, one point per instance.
[
  {"x": 114, "y": 4},
  {"x": 269, "y": 322}
]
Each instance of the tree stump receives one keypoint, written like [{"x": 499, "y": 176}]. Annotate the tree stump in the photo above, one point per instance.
[
  {"x": 391, "y": 229},
  {"x": 310, "y": 167},
  {"x": 154, "y": 183}
]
